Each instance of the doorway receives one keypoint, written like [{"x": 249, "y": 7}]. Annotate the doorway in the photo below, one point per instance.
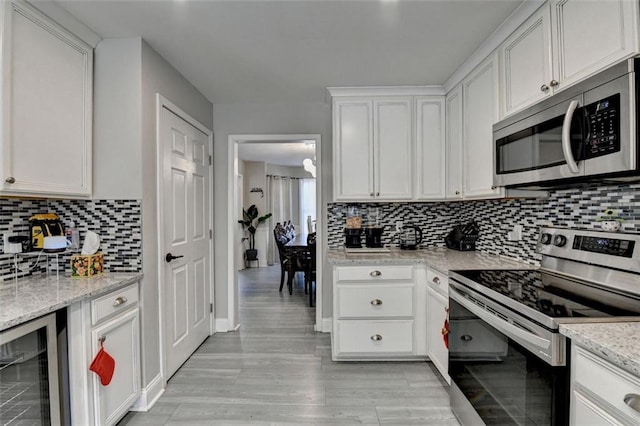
[{"x": 235, "y": 142}]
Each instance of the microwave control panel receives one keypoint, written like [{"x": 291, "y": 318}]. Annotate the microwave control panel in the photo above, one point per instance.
[{"x": 604, "y": 127}]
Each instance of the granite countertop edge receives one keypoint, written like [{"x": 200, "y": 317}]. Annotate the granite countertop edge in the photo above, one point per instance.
[
  {"x": 19, "y": 295},
  {"x": 616, "y": 342}
]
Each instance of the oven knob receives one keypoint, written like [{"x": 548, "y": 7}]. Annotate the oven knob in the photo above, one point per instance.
[
  {"x": 560, "y": 240},
  {"x": 545, "y": 239}
]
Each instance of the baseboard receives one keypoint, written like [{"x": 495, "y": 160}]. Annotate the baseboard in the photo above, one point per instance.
[
  {"x": 150, "y": 395},
  {"x": 325, "y": 326},
  {"x": 222, "y": 325}
]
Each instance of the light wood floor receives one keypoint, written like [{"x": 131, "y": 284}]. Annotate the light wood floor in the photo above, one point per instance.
[{"x": 277, "y": 370}]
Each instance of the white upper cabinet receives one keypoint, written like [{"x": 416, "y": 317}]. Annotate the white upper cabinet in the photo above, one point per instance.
[
  {"x": 393, "y": 149},
  {"x": 480, "y": 112},
  {"x": 453, "y": 184},
  {"x": 352, "y": 149},
  {"x": 430, "y": 148},
  {"x": 526, "y": 63},
  {"x": 564, "y": 42},
  {"x": 47, "y": 106},
  {"x": 588, "y": 36}
]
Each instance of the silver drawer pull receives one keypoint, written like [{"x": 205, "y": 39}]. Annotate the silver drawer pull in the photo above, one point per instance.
[
  {"x": 375, "y": 273},
  {"x": 120, "y": 300},
  {"x": 376, "y": 337},
  {"x": 436, "y": 280},
  {"x": 633, "y": 401},
  {"x": 376, "y": 302}
]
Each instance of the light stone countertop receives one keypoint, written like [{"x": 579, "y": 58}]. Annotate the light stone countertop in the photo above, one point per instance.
[
  {"x": 32, "y": 297},
  {"x": 441, "y": 259},
  {"x": 616, "y": 342}
]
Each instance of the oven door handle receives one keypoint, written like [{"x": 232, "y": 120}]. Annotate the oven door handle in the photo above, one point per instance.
[
  {"x": 566, "y": 137},
  {"x": 500, "y": 324}
]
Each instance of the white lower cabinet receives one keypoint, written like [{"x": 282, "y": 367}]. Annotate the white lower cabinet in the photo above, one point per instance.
[
  {"x": 437, "y": 313},
  {"x": 114, "y": 319},
  {"x": 378, "y": 312},
  {"x": 602, "y": 393}
]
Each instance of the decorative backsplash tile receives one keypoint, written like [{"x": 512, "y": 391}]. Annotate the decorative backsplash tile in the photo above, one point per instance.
[
  {"x": 575, "y": 208},
  {"x": 118, "y": 222}
]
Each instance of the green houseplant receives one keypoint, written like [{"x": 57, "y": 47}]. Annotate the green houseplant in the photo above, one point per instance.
[{"x": 249, "y": 216}]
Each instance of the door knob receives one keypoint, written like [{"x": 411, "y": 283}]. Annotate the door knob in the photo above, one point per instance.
[{"x": 169, "y": 257}]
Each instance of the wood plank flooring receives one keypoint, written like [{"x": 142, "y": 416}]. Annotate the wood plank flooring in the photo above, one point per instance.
[{"x": 277, "y": 370}]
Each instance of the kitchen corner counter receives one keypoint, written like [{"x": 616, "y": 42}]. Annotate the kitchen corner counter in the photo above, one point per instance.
[
  {"x": 439, "y": 258},
  {"x": 32, "y": 297},
  {"x": 616, "y": 342}
]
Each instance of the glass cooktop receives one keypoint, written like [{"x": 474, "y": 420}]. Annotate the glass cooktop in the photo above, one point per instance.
[{"x": 552, "y": 295}]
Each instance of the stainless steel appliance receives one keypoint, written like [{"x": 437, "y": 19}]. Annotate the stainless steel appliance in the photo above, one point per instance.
[
  {"x": 586, "y": 132},
  {"x": 584, "y": 276},
  {"x": 29, "y": 381}
]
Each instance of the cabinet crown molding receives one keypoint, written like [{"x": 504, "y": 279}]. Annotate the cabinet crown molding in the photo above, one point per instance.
[{"x": 435, "y": 90}]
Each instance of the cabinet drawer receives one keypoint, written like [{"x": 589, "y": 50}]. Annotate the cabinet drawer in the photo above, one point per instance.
[
  {"x": 375, "y": 301},
  {"x": 111, "y": 303},
  {"x": 438, "y": 282},
  {"x": 606, "y": 381},
  {"x": 375, "y": 337},
  {"x": 374, "y": 273}
]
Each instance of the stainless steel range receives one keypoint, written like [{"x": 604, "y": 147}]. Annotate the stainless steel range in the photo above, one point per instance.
[{"x": 524, "y": 378}]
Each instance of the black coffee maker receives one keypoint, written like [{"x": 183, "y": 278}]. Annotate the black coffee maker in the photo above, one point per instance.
[
  {"x": 353, "y": 228},
  {"x": 373, "y": 228}
]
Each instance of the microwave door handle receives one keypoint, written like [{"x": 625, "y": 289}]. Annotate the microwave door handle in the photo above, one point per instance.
[
  {"x": 499, "y": 324},
  {"x": 566, "y": 137}
]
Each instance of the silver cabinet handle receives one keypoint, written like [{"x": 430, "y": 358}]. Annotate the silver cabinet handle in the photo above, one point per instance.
[
  {"x": 375, "y": 273},
  {"x": 119, "y": 301},
  {"x": 554, "y": 83},
  {"x": 493, "y": 187},
  {"x": 376, "y": 302},
  {"x": 544, "y": 88},
  {"x": 377, "y": 194},
  {"x": 633, "y": 401},
  {"x": 376, "y": 337},
  {"x": 436, "y": 280},
  {"x": 457, "y": 192},
  {"x": 10, "y": 179}
]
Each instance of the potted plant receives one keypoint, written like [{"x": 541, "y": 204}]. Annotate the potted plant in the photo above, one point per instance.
[{"x": 248, "y": 217}]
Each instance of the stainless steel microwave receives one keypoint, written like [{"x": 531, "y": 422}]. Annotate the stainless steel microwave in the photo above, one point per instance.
[{"x": 587, "y": 132}]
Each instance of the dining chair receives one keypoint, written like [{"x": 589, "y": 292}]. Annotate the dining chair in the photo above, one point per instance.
[{"x": 310, "y": 272}]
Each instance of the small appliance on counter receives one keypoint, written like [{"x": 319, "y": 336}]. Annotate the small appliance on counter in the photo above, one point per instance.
[
  {"x": 463, "y": 237},
  {"x": 410, "y": 237},
  {"x": 44, "y": 225},
  {"x": 353, "y": 228},
  {"x": 373, "y": 228}
]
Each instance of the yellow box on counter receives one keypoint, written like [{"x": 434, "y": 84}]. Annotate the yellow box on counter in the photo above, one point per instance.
[{"x": 87, "y": 265}]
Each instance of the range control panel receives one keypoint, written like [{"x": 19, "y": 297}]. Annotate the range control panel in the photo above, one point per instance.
[{"x": 608, "y": 249}]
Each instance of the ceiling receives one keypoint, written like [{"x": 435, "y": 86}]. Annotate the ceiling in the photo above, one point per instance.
[
  {"x": 278, "y": 153},
  {"x": 268, "y": 51}
]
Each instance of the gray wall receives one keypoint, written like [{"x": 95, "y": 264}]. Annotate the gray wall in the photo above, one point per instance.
[
  {"x": 129, "y": 73},
  {"x": 234, "y": 119}
]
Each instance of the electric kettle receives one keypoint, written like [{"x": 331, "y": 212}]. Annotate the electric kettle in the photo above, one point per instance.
[{"x": 410, "y": 237}]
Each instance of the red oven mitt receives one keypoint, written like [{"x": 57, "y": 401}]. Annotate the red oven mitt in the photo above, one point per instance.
[
  {"x": 103, "y": 365},
  {"x": 445, "y": 331}
]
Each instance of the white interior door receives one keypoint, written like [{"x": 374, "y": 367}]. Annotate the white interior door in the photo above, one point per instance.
[{"x": 186, "y": 192}]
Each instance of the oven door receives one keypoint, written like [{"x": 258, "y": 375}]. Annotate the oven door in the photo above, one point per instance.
[
  {"x": 497, "y": 381},
  {"x": 544, "y": 146}
]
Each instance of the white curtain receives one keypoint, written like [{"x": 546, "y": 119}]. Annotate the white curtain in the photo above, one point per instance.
[
  {"x": 283, "y": 201},
  {"x": 307, "y": 202}
]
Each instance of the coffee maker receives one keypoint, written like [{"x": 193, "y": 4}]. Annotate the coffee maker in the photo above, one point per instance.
[
  {"x": 373, "y": 228},
  {"x": 353, "y": 228}
]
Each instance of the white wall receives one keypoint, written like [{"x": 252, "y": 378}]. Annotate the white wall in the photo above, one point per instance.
[
  {"x": 255, "y": 176},
  {"x": 128, "y": 75},
  {"x": 290, "y": 171},
  {"x": 234, "y": 119}
]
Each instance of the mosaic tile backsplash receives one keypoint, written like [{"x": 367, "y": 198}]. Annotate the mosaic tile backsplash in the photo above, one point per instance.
[
  {"x": 118, "y": 222},
  {"x": 576, "y": 208}
]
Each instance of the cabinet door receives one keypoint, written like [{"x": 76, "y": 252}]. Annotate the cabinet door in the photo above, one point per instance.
[
  {"x": 353, "y": 150},
  {"x": 453, "y": 181},
  {"x": 430, "y": 148},
  {"x": 393, "y": 142},
  {"x": 111, "y": 402},
  {"x": 47, "y": 98},
  {"x": 437, "y": 307},
  {"x": 526, "y": 63},
  {"x": 591, "y": 35},
  {"x": 480, "y": 112}
]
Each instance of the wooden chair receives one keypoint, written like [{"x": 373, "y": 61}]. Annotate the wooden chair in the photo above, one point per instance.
[
  {"x": 310, "y": 271},
  {"x": 281, "y": 239},
  {"x": 289, "y": 258}
]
